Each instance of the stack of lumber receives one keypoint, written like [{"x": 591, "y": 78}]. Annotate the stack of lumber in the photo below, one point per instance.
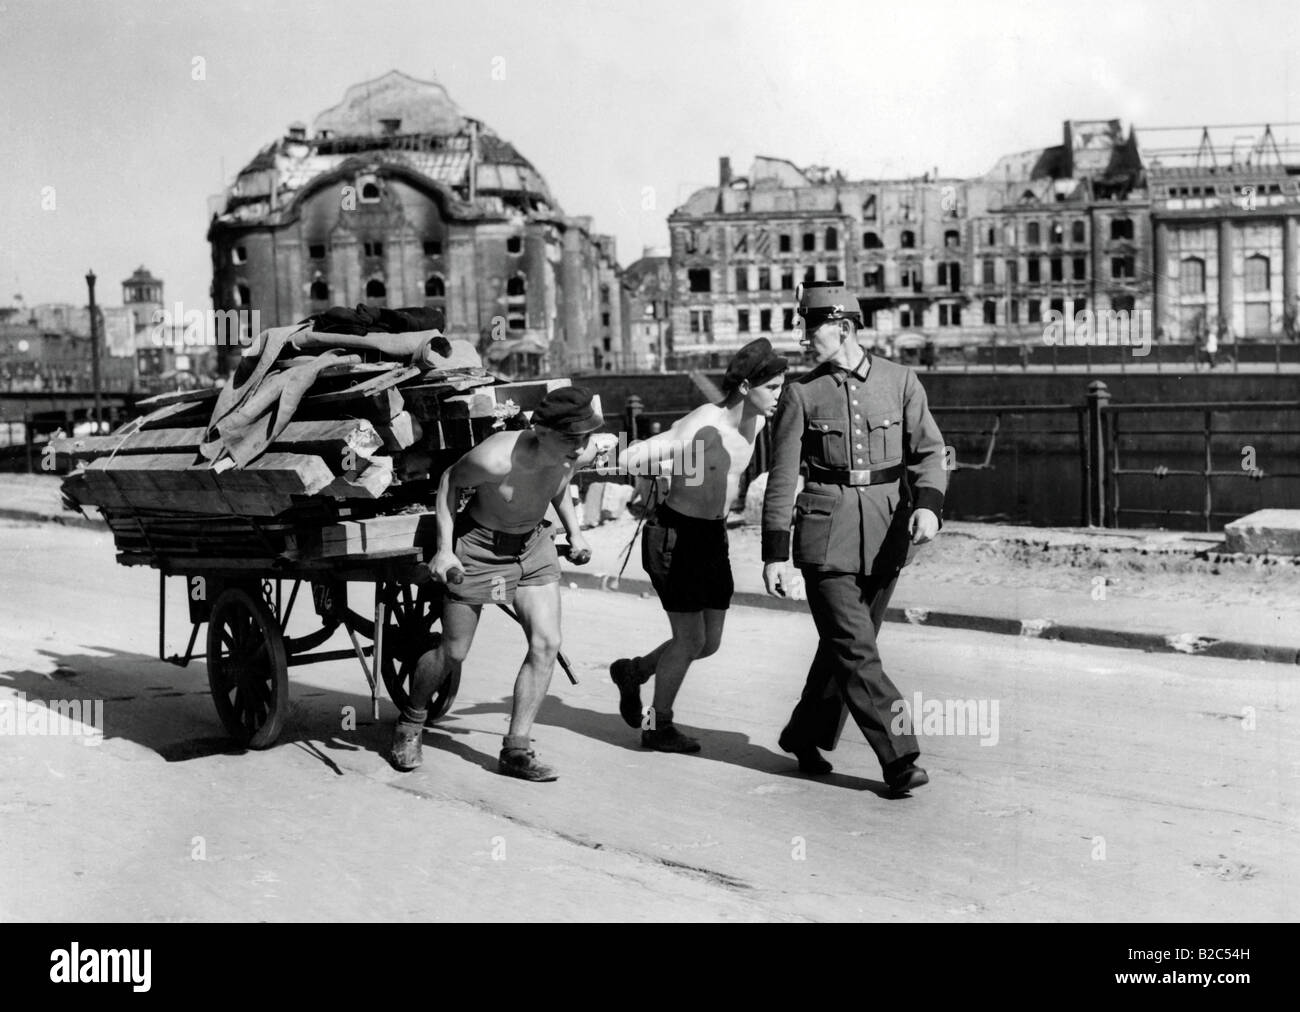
[{"x": 359, "y": 426}]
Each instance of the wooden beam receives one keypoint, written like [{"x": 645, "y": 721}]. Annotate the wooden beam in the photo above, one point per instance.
[
  {"x": 325, "y": 437},
  {"x": 180, "y": 397},
  {"x": 370, "y": 483}
]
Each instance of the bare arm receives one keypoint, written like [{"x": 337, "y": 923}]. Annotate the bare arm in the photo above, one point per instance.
[
  {"x": 601, "y": 443},
  {"x": 565, "y": 511},
  {"x": 579, "y": 550},
  {"x": 649, "y": 456}
]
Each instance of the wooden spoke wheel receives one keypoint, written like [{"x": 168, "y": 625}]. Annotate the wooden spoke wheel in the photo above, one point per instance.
[
  {"x": 408, "y": 635},
  {"x": 247, "y": 667}
]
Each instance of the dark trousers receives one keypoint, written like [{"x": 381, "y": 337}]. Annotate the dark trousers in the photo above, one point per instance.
[{"x": 846, "y": 676}]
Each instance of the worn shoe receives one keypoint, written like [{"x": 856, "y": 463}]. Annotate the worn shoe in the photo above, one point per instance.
[
  {"x": 810, "y": 760},
  {"x": 623, "y": 674},
  {"x": 906, "y": 778},
  {"x": 406, "y": 752},
  {"x": 666, "y": 738},
  {"x": 522, "y": 763}
]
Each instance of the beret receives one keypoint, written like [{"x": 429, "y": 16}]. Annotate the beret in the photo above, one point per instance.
[
  {"x": 756, "y": 363},
  {"x": 569, "y": 410}
]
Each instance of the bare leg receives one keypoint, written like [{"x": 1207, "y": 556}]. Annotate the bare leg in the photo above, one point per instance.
[
  {"x": 459, "y": 621},
  {"x": 695, "y": 634},
  {"x": 539, "y": 614},
  {"x": 646, "y": 665},
  {"x": 458, "y": 624}
]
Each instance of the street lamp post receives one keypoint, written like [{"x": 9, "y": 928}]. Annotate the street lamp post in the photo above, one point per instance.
[{"x": 94, "y": 347}]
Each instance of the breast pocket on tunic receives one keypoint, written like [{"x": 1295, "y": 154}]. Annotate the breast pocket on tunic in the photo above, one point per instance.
[
  {"x": 885, "y": 434},
  {"x": 812, "y": 527},
  {"x": 826, "y": 443}
]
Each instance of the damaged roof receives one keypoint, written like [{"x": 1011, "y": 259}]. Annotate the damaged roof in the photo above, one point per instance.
[{"x": 394, "y": 120}]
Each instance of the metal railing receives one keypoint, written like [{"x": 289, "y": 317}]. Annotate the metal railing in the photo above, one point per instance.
[
  {"x": 1098, "y": 438},
  {"x": 1208, "y": 430},
  {"x": 1096, "y": 431}
]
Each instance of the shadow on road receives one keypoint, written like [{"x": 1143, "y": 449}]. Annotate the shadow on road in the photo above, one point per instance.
[
  {"x": 169, "y": 710},
  {"x": 731, "y": 747}
]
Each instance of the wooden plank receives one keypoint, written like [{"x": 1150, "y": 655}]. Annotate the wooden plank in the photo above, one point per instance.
[
  {"x": 527, "y": 394},
  {"x": 179, "y": 397},
  {"x": 167, "y": 481},
  {"x": 356, "y": 537},
  {"x": 277, "y": 474},
  {"x": 368, "y": 388},
  {"x": 401, "y": 431},
  {"x": 322, "y": 438},
  {"x": 443, "y": 400},
  {"x": 459, "y": 433},
  {"x": 173, "y": 415},
  {"x": 148, "y": 441},
  {"x": 475, "y": 405},
  {"x": 127, "y": 481},
  {"x": 371, "y": 483},
  {"x": 440, "y": 381}
]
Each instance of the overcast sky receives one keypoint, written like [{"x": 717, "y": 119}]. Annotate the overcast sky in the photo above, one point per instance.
[{"x": 606, "y": 98}]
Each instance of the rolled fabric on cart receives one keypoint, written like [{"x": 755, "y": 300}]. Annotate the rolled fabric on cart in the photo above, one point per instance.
[
  {"x": 398, "y": 347},
  {"x": 248, "y": 430}
]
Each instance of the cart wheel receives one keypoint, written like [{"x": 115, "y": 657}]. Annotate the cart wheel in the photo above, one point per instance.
[
  {"x": 408, "y": 635},
  {"x": 247, "y": 669}
]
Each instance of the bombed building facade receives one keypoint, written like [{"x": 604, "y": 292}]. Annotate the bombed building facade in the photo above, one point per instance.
[
  {"x": 1097, "y": 223},
  {"x": 396, "y": 198},
  {"x": 649, "y": 285}
]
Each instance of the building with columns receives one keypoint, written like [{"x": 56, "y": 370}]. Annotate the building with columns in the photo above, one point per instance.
[
  {"x": 397, "y": 198},
  {"x": 1225, "y": 202},
  {"x": 1098, "y": 222}
]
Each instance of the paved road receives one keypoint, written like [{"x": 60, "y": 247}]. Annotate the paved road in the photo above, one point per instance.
[{"x": 1122, "y": 785}]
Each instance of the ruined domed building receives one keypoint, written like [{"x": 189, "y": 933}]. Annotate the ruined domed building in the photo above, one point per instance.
[{"x": 397, "y": 198}]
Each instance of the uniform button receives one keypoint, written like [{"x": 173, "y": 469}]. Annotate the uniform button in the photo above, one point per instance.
[
  {"x": 857, "y": 446},
  {"x": 859, "y": 460}
]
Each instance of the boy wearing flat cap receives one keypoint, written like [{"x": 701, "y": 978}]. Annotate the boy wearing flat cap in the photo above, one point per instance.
[
  {"x": 684, "y": 543},
  {"x": 498, "y": 550},
  {"x": 861, "y": 428}
]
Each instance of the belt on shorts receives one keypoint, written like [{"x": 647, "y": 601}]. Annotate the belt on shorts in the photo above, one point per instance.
[
  {"x": 504, "y": 542},
  {"x": 835, "y": 476},
  {"x": 669, "y": 517}
]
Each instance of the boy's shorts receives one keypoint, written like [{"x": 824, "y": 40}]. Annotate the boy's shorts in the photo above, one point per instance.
[
  {"x": 496, "y": 563},
  {"x": 688, "y": 561}
]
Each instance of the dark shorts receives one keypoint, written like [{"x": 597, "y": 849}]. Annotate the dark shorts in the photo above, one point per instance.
[
  {"x": 687, "y": 560},
  {"x": 497, "y": 563}
]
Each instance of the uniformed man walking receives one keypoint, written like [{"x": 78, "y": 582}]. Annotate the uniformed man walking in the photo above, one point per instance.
[{"x": 873, "y": 492}]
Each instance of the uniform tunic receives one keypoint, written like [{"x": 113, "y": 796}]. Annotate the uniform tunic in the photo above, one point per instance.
[{"x": 851, "y": 540}]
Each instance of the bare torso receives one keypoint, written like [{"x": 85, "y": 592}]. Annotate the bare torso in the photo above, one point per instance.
[
  {"x": 716, "y": 451},
  {"x": 517, "y": 503}
]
